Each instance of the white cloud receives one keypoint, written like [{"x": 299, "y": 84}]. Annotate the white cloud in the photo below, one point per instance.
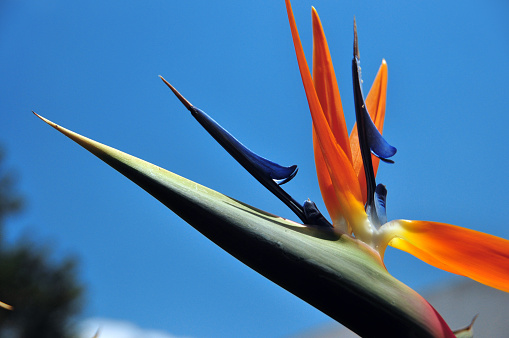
[{"x": 109, "y": 328}]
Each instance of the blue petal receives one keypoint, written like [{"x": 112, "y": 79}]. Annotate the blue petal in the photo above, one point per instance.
[
  {"x": 258, "y": 166},
  {"x": 276, "y": 172},
  {"x": 378, "y": 145},
  {"x": 370, "y": 139},
  {"x": 380, "y": 199},
  {"x": 271, "y": 175}
]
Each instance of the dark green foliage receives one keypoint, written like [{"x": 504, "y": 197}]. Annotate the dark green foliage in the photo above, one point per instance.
[
  {"x": 10, "y": 201},
  {"x": 45, "y": 294}
]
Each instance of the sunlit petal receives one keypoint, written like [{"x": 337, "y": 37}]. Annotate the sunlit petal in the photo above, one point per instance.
[
  {"x": 343, "y": 177},
  {"x": 375, "y": 103},
  {"x": 326, "y": 186},
  {"x": 327, "y": 90},
  {"x": 482, "y": 257},
  {"x": 324, "y": 79},
  {"x": 421, "y": 254}
]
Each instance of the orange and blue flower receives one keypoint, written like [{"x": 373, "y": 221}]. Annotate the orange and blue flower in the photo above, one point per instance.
[
  {"x": 347, "y": 165},
  {"x": 347, "y": 181}
]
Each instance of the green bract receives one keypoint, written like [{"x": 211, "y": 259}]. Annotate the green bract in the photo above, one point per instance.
[{"x": 337, "y": 274}]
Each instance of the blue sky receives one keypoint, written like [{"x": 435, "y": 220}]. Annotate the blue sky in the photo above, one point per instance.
[{"x": 92, "y": 67}]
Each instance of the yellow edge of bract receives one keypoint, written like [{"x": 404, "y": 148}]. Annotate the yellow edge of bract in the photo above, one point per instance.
[{"x": 479, "y": 256}]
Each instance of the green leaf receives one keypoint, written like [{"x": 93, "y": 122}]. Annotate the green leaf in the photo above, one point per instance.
[{"x": 333, "y": 272}]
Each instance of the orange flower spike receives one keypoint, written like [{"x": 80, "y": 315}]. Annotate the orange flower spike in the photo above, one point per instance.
[
  {"x": 324, "y": 79},
  {"x": 476, "y": 255},
  {"x": 376, "y": 99},
  {"x": 375, "y": 103},
  {"x": 343, "y": 177},
  {"x": 327, "y": 188},
  {"x": 326, "y": 88},
  {"x": 479, "y": 256}
]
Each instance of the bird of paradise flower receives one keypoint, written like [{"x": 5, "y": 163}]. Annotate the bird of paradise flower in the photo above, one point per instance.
[
  {"x": 304, "y": 258},
  {"x": 346, "y": 172}
]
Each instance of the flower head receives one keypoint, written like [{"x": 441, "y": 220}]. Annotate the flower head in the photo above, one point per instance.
[
  {"x": 346, "y": 172},
  {"x": 346, "y": 166}
]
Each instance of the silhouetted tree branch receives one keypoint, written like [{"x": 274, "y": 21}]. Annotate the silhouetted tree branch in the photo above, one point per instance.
[{"x": 45, "y": 294}]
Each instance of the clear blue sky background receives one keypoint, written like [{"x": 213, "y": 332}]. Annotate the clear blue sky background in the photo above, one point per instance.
[{"x": 92, "y": 67}]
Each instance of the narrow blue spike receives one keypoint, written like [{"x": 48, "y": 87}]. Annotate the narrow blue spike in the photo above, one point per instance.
[
  {"x": 276, "y": 172},
  {"x": 271, "y": 175},
  {"x": 370, "y": 139},
  {"x": 380, "y": 200},
  {"x": 376, "y": 143}
]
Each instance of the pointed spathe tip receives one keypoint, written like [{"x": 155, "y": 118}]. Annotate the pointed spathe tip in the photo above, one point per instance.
[
  {"x": 85, "y": 142},
  {"x": 468, "y": 331},
  {"x": 182, "y": 99},
  {"x": 355, "y": 41},
  {"x": 54, "y": 125}
]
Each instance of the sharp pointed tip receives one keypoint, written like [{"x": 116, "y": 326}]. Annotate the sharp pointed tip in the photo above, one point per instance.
[
  {"x": 355, "y": 41},
  {"x": 54, "y": 125},
  {"x": 182, "y": 99},
  {"x": 384, "y": 69},
  {"x": 473, "y": 321},
  {"x": 315, "y": 17}
]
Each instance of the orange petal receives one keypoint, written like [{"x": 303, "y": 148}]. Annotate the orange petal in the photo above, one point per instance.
[
  {"x": 421, "y": 254},
  {"x": 326, "y": 186},
  {"x": 324, "y": 79},
  {"x": 326, "y": 86},
  {"x": 482, "y": 257},
  {"x": 343, "y": 177},
  {"x": 375, "y": 103}
]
